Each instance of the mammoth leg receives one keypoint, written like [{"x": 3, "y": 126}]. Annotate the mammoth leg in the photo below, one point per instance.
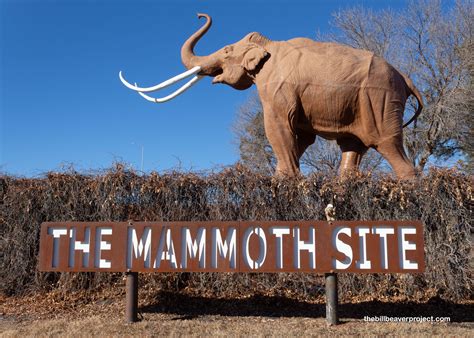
[
  {"x": 304, "y": 141},
  {"x": 352, "y": 151},
  {"x": 283, "y": 141},
  {"x": 392, "y": 150},
  {"x": 387, "y": 114}
]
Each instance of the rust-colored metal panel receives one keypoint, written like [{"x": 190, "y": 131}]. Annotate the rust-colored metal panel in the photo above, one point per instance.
[{"x": 267, "y": 246}]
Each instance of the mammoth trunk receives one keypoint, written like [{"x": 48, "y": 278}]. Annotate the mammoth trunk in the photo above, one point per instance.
[{"x": 188, "y": 57}]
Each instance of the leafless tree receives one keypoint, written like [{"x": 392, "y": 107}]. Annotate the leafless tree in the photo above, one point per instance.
[
  {"x": 432, "y": 43},
  {"x": 254, "y": 148},
  {"x": 322, "y": 156}
]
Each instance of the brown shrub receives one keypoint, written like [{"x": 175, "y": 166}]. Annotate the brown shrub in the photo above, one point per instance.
[{"x": 442, "y": 200}]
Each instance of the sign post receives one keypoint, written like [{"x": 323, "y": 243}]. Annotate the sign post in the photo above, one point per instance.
[
  {"x": 332, "y": 317},
  {"x": 246, "y": 246},
  {"x": 131, "y": 297}
]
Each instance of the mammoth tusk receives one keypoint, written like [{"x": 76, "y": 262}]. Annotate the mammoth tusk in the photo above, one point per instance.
[
  {"x": 164, "y": 84},
  {"x": 185, "y": 87}
]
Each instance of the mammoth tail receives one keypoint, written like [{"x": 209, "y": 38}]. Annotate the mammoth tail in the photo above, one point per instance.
[{"x": 413, "y": 91}]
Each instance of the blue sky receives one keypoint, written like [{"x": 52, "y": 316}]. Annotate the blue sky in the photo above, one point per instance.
[{"x": 61, "y": 101}]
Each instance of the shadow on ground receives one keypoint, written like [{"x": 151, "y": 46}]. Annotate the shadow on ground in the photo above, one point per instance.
[{"x": 189, "y": 307}]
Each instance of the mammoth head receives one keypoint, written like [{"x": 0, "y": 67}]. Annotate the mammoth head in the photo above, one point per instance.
[{"x": 235, "y": 64}]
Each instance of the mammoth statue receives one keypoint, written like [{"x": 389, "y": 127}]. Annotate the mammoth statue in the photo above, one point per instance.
[{"x": 310, "y": 89}]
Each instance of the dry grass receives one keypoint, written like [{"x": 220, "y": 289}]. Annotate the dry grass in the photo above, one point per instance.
[
  {"x": 169, "y": 325},
  {"x": 102, "y": 314}
]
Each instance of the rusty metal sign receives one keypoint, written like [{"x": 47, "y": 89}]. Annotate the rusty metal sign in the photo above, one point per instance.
[{"x": 293, "y": 246}]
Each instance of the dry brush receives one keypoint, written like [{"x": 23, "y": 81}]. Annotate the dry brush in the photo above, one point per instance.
[{"x": 442, "y": 199}]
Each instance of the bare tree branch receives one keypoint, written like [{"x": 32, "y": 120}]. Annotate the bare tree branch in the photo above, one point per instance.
[{"x": 430, "y": 44}]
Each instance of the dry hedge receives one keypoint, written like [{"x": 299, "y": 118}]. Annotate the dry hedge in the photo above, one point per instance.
[{"x": 442, "y": 199}]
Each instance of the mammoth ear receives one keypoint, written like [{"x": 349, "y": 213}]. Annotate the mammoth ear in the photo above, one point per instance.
[{"x": 253, "y": 56}]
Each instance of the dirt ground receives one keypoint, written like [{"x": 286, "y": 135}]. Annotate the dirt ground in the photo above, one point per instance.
[{"x": 175, "y": 314}]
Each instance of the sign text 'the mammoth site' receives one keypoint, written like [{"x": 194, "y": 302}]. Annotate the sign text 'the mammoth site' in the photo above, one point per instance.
[{"x": 290, "y": 246}]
